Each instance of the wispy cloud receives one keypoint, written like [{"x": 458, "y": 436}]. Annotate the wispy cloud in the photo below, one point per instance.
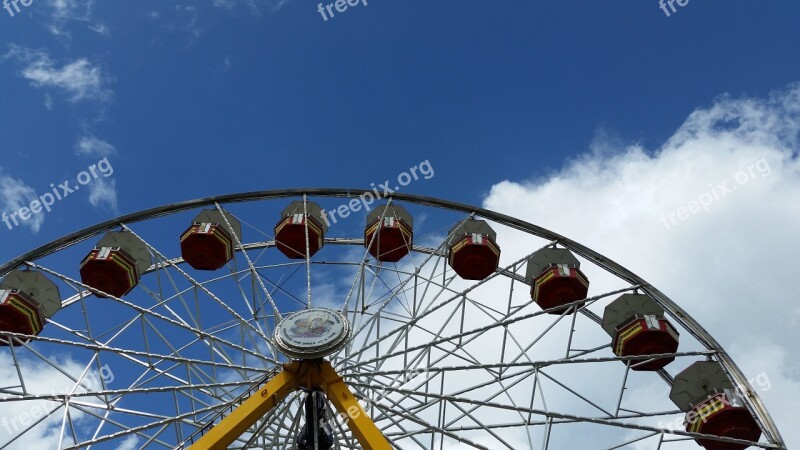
[
  {"x": 65, "y": 11},
  {"x": 100, "y": 29},
  {"x": 14, "y": 195},
  {"x": 72, "y": 9},
  {"x": 103, "y": 191},
  {"x": 79, "y": 79},
  {"x": 227, "y": 4},
  {"x": 129, "y": 443},
  {"x": 254, "y": 5},
  {"x": 185, "y": 22},
  {"x": 89, "y": 145}
]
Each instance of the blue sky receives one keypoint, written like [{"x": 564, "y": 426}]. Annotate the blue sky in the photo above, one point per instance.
[
  {"x": 595, "y": 118},
  {"x": 199, "y": 99}
]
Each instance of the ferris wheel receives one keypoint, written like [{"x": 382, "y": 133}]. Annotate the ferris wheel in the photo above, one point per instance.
[{"x": 261, "y": 321}]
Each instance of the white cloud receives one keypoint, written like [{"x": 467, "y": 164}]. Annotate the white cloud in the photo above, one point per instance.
[
  {"x": 80, "y": 79},
  {"x": 731, "y": 264},
  {"x": 129, "y": 443},
  {"x": 254, "y": 5},
  {"x": 58, "y": 31},
  {"x": 103, "y": 192},
  {"x": 72, "y": 9},
  {"x": 15, "y": 194},
  {"x": 186, "y": 22},
  {"x": 40, "y": 379},
  {"x": 48, "y": 102},
  {"x": 227, "y": 4},
  {"x": 65, "y": 11},
  {"x": 100, "y": 29},
  {"x": 89, "y": 145}
]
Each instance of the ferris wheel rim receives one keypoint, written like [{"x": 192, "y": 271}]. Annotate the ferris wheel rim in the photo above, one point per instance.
[{"x": 676, "y": 311}]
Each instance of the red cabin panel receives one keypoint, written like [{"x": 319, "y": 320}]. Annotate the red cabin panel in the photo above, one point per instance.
[
  {"x": 110, "y": 270},
  {"x": 646, "y": 335},
  {"x": 725, "y": 416},
  {"x": 290, "y": 236},
  {"x": 18, "y": 314},
  {"x": 393, "y": 242},
  {"x": 559, "y": 285},
  {"x": 474, "y": 257},
  {"x": 207, "y": 246}
]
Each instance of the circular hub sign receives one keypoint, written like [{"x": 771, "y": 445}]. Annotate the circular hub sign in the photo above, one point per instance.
[{"x": 312, "y": 333}]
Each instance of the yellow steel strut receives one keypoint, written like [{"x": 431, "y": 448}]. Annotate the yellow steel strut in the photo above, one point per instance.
[{"x": 313, "y": 374}]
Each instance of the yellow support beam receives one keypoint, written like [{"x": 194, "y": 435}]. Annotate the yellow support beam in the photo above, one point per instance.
[
  {"x": 236, "y": 423},
  {"x": 310, "y": 375},
  {"x": 364, "y": 429}
]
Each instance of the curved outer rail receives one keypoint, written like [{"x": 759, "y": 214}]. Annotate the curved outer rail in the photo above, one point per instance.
[{"x": 754, "y": 401}]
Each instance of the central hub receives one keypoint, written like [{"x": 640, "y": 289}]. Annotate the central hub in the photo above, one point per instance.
[{"x": 312, "y": 333}]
